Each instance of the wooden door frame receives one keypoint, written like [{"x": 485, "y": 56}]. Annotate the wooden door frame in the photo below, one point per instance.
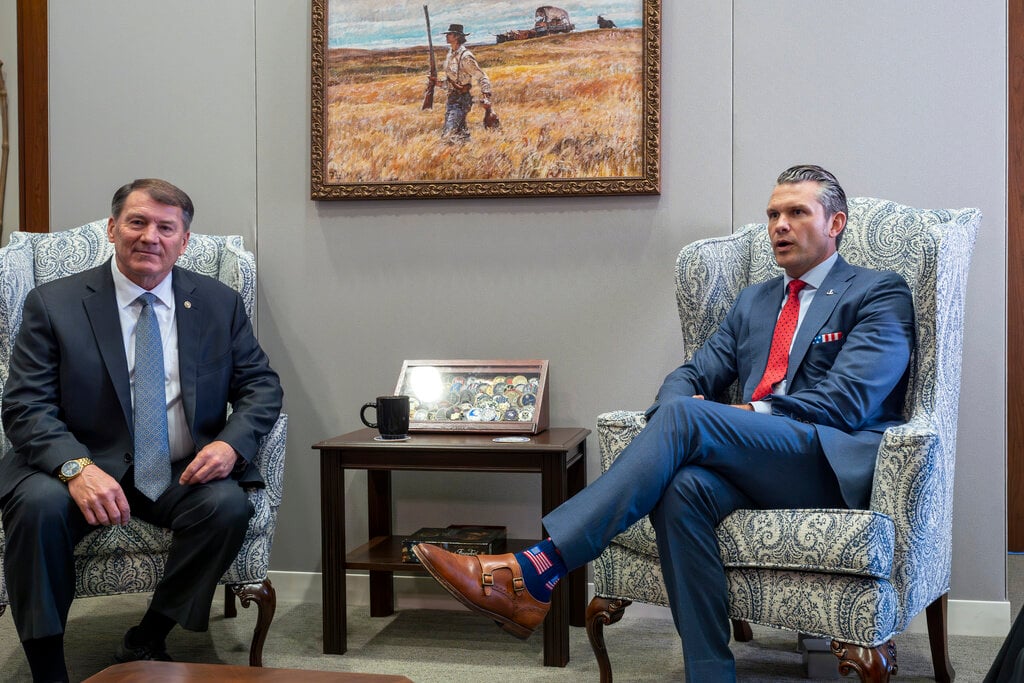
[
  {"x": 33, "y": 117},
  {"x": 1015, "y": 277}
]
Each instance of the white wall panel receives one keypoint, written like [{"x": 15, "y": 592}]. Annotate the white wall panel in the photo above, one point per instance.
[
  {"x": 153, "y": 89},
  {"x": 905, "y": 101},
  {"x": 9, "y": 57}
]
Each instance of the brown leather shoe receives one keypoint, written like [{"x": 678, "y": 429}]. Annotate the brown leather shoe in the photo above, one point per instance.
[{"x": 489, "y": 584}]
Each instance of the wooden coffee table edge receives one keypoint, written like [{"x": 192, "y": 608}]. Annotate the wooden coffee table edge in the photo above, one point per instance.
[{"x": 175, "y": 672}]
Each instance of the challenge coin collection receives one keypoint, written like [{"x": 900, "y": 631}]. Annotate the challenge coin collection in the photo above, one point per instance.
[{"x": 475, "y": 398}]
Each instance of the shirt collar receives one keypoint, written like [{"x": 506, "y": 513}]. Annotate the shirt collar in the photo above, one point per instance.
[
  {"x": 816, "y": 275},
  {"x": 127, "y": 291}
]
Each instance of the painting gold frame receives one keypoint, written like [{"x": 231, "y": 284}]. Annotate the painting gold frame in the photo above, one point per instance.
[{"x": 579, "y": 111}]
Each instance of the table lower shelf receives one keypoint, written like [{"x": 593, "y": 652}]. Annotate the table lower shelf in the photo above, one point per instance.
[{"x": 384, "y": 554}]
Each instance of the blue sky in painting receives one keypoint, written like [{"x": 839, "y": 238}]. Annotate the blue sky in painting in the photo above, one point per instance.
[{"x": 372, "y": 24}]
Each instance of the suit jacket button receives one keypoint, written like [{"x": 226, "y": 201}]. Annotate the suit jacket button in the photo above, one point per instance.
[{"x": 128, "y": 457}]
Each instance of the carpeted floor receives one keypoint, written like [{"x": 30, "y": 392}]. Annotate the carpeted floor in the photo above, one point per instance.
[
  {"x": 434, "y": 646},
  {"x": 431, "y": 646}
]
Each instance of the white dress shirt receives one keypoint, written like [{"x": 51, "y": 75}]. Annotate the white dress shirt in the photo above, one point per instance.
[{"x": 129, "y": 309}]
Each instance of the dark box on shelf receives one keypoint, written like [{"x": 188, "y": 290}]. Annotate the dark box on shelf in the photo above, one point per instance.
[{"x": 463, "y": 539}]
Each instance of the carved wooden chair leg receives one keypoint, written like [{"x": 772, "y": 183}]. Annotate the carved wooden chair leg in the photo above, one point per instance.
[
  {"x": 265, "y": 597},
  {"x": 936, "y": 616},
  {"x": 230, "y": 609},
  {"x": 871, "y": 664},
  {"x": 741, "y": 632},
  {"x": 600, "y": 613}
]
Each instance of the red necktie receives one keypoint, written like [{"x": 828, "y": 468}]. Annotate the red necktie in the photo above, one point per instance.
[{"x": 778, "y": 357}]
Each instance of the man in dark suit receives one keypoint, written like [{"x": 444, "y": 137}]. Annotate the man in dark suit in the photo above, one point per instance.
[
  {"x": 821, "y": 355},
  {"x": 72, "y": 409}
]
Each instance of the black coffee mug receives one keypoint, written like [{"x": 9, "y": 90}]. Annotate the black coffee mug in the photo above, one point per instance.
[{"x": 392, "y": 416}]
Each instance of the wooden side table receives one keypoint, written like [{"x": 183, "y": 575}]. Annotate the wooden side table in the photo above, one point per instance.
[{"x": 559, "y": 455}]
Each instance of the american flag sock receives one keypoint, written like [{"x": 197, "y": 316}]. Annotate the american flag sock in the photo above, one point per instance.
[{"x": 542, "y": 567}]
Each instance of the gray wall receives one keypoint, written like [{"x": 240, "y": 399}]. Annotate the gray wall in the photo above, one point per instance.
[
  {"x": 903, "y": 100},
  {"x": 9, "y": 56},
  {"x": 153, "y": 89}
]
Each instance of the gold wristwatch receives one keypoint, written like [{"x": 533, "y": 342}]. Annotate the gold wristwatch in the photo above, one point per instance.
[{"x": 72, "y": 468}]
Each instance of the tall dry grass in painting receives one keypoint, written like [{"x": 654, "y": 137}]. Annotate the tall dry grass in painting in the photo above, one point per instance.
[{"x": 570, "y": 107}]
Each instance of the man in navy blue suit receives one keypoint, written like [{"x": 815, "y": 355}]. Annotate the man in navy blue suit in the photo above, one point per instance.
[
  {"x": 821, "y": 354},
  {"x": 69, "y": 410}
]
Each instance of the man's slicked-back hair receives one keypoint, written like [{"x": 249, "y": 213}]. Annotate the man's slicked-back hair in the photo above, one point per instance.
[
  {"x": 158, "y": 190},
  {"x": 830, "y": 192}
]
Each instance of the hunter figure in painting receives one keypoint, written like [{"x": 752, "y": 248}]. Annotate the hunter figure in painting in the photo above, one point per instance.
[{"x": 460, "y": 70}]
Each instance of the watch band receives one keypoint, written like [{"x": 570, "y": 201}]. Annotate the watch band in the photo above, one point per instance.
[{"x": 82, "y": 463}]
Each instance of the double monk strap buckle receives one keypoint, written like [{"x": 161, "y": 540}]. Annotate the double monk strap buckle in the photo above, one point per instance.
[{"x": 487, "y": 578}]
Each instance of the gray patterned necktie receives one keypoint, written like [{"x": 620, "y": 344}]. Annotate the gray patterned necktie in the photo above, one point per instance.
[{"x": 152, "y": 448}]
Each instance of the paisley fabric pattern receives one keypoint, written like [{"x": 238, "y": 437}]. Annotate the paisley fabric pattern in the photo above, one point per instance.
[
  {"x": 857, "y": 575},
  {"x": 621, "y": 572},
  {"x": 857, "y": 542},
  {"x": 851, "y": 608},
  {"x": 131, "y": 559},
  {"x": 59, "y": 254}
]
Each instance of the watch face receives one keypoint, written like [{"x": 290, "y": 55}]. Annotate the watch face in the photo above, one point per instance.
[{"x": 71, "y": 468}]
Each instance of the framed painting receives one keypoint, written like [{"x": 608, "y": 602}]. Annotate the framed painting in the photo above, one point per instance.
[{"x": 484, "y": 98}]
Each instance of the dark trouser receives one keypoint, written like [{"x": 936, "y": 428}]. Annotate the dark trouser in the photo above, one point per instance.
[
  {"x": 694, "y": 463},
  {"x": 455, "y": 112},
  {"x": 42, "y": 525},
  {"x": 1009, "y": 664}
]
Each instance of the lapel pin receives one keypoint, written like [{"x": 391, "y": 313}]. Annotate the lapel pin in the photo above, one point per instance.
[
  {"x": 828, "y": 293},
  {"x": 188, "y": 304}
]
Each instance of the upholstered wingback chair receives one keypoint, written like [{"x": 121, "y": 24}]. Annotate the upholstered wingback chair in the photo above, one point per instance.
[
  {"x": 130, "y": 559},
  {"x": 856, "y": 577}
]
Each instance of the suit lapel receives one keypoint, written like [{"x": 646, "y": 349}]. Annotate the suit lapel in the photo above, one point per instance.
[
  {"x": 100, "y": 304},
  {"x": 828, "y": 296},
  {"x": 189, "y": 315}
]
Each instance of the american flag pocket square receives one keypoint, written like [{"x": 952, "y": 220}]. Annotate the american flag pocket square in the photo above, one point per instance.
[{"x": 827, "y": 337}]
